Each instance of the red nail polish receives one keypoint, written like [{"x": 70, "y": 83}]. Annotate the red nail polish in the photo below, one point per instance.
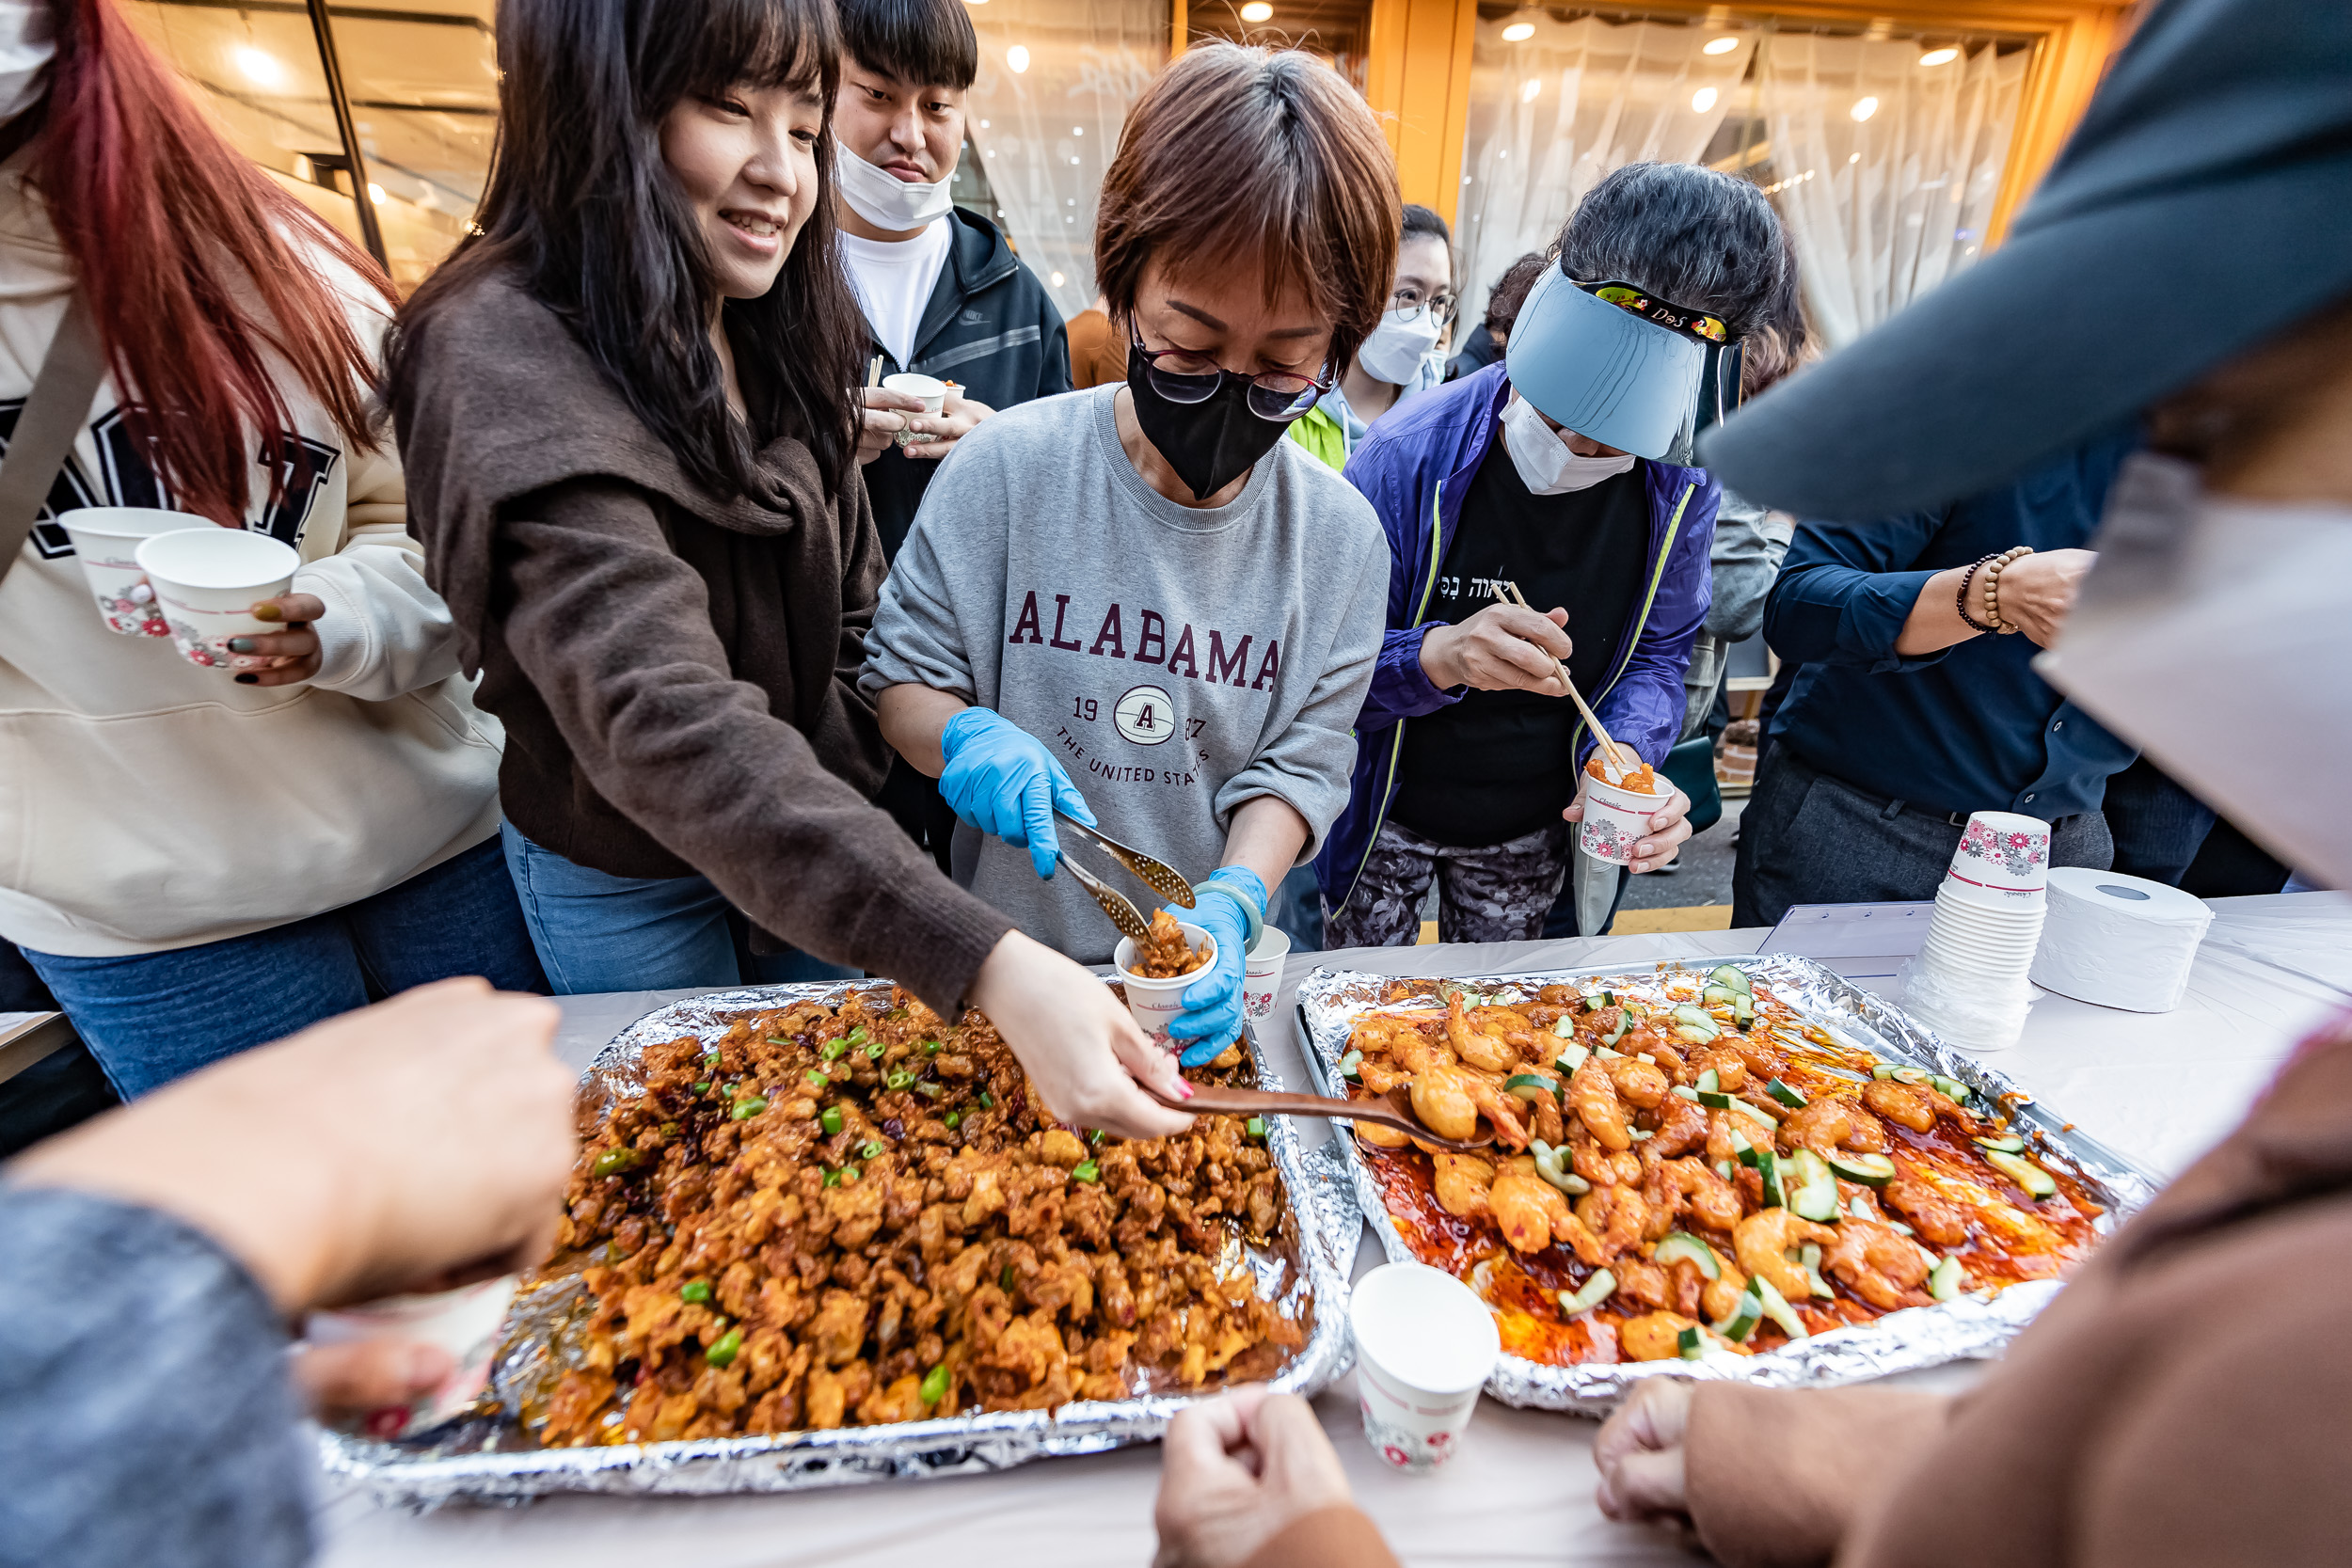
[{"x": 1186, "y": 1088}]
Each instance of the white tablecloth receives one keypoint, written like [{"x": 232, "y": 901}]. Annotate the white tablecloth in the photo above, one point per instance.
[{"x": 2159, "y": 1089}]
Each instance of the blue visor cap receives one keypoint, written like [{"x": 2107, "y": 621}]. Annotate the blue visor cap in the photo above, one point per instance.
[{"x": 1601, "y": 370}]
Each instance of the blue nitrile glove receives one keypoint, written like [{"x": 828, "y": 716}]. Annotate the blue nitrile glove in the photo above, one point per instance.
[
  {"x": 1001, "y": 780},
  {"x": 1230, "y": 907}
]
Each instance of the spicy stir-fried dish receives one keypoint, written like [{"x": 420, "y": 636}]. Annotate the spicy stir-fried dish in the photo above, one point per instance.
[
  {"x": 1642, "y": 779},
  {"x": 857, "y": 1214},
  {"x": 1684, "y": 1165},
  {"x": 1166, "y": 952}
]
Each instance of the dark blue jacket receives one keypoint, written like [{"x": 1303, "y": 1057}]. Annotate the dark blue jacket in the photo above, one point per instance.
[
  {"x": 1416, "y": 466},
  {"x": 1966, "y": 728}
]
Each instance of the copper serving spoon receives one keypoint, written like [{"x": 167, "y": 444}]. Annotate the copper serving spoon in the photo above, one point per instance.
[{"x": 1393, "y": 1109}]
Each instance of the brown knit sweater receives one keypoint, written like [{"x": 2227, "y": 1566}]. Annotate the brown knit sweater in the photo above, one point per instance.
[{"x": 676, "y": 672}]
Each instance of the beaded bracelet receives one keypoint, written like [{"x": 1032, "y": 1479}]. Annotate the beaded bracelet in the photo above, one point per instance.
[
  {"x": 1992, "y": 589},
  {"x": 1967, "y": 581}
]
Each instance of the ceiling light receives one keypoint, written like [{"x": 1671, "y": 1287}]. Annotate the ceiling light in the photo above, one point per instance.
[
  {"x": 1945, "y": 55},
  {"x": 1519, "y": 32},
  {"x": 1077, "y": 130},
  {"x": 1257, "y": 11},
  {"x": 375, "y": 193},
  {"x": 1531, "y": 89},
  {"x": 1018, "y": 58},
  {"x": 1854, "y": 157},
  {"x": 261, "y": 67},
  {"x": 1703, "y": 100},
  {"x": 1864, "y": 108},
  {"x": 1057, "y": 279},
  {"x": 1724, "y": 45}
]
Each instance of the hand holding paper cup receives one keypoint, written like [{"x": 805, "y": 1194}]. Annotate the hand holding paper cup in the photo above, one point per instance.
[
  {"x": 1154, "y": 1003},
  {"x": 208, "y": 581},
  {"x": 930, "y": 389},
  {"x": 1617, "y": 819}
]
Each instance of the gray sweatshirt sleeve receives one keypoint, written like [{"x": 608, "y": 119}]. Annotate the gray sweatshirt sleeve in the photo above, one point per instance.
[
  {"x": 1309, "y": 749},
  {"x": 145, "y": 1412},
  {"x": 1745, "y": 559},
  {"x": 918, "y": 635}
]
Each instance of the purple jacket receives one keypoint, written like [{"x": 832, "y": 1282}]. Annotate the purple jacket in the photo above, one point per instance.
[{"x": 1416, "y": 466}]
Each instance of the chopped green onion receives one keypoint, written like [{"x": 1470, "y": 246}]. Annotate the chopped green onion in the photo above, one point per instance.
[
  {"x": 832, "y": 1177},
  {"x": 703, "y": 1088},
  {"x": 774, "y": 1040},
  {"x": 848, "y": 1173},
  {"x": 695, "y": 1291},
  {"x": 1085, "y": 1171},
  {"x": 935, "y": 1384},
  {"x": 930, "y": 1048},
  {"x": 724, "y": 1351},
  {"x": 833, "y": 1051},
  {"x": 873, "y": 1052},
  {"x": 1004, "y": 1280},
  {"x": 746, "y": 1109},
  {"x": 614, "y": 1160},
  {"x": 1255, "y": 1127},
  {"x": 830, "y": 1119},
  {"x": 857, "y": 1035},
  {"x": 953, "y": 1121},
  {"x": 899, "y": 1080},
  {"x": 987, "y": 1100},
  {"x": 817, "y": 1078},
  {"x": 869, "y": 1149},
  {"x": 1095, "y": 1137},
  {"x": 932, "y": 1091}
]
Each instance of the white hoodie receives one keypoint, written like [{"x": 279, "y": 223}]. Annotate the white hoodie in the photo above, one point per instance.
[{"x": 148, "y": 804}]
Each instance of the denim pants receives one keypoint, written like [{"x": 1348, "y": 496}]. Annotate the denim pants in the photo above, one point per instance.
[
  {"x": 149, "y": 1018},
  {"x": 595, "y": 931}
]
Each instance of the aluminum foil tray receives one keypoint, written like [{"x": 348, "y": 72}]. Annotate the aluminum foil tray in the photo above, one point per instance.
[
  {"x": 493, "y": 1458},
  {"x": 1974, "y": 1325}
]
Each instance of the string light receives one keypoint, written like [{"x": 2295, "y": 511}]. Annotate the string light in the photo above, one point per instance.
[
  {"x": 1724, "y": 45},
  {"x": 1257, "y": 11},
  {"x": 1018, "y": 58},
  {"x": 1703, "y": 100},
  {"x": 1864, "y": 108},
  {"x": 1519, "y": 32},
  {"x": 1779, "y": 186},
  {"x": 261, "y": 67},
  {"x": 1945, "y": 55}
]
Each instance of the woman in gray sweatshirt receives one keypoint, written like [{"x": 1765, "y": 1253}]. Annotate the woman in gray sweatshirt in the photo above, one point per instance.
[{"x": 1137, "y": 604}]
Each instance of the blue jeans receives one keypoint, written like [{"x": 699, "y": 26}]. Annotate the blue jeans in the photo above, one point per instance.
[
  {"x": 595, "y": 931},
  {"x": 149, "y": 1017}
]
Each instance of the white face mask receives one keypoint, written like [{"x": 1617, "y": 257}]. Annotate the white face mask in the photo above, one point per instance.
[
  {"x": 1395, "y": 351},
  {"x": 884, "y": 200},
  {"x": 2202, "y": 605},
  {"x": 1546, "y": 465},
  {"x": 28, "y": 33}
]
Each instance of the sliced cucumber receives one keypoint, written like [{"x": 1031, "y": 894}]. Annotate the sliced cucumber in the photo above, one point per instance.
[
  {"x": 1688, "y": 1017},
  {"x": 1681, "y": 1244},
  {"x": 1698, "y": 1036},
  {"x": 2006, "y": 1142},
  {"x": 1639, "y": 1135},
  {"x": 1761, "y": 1117},
  {"x": 1947, "y": 1279},
  {"x": 1785, "y": 1095},
  {"x": 1624, "y": 1023},
  {"x": 1572, "y": 1057},
  {"x": 1768, "y": 1167},
  {"x": 1870, "y": 1170},
  {"x": 1860, "y": 1208},
  {"x": 1742, "y": 1150},
  {"x": 1689, "y": 1346},
  {"x": 1553, "y": 1165},
  {"x": 1777, "y": 1308},
  {"x": 1745, "y": 1314},
  {"x": 1950, "y": 1088},
  {"x": 1596, "y": 1289},
  {"x": 1809, "y": 1259},
  {"x": 1900, "y": 1074},
  {"x": 1684, "y": 1091},
  {"x": 1815, "y": 1196},
  {"x": 1349, "y": 1066},
  {"x": 1528, "y": 1086},
  {"x": 2038, "y": 1183},
  {"x": 1732, "y": 979},
  {"x": 1711, "y": 1082},
  {"x": 1563, "y": 1027},
  {"x": 1742, "y": 1014},
  {"x": 1716, "y": 1100},
  {"x": 1713, "y": 994},
  {"x": 1724, "y": 1169},
  {"x": 1603, "y": 999}
]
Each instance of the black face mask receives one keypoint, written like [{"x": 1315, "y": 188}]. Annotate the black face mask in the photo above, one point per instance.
[{"x": 1210, "y": 443}]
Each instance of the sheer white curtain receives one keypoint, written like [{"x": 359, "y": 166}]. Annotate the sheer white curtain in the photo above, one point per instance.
[
  {"x": 1552, "y": 113},
  {"x": 1055, "y": 82},
  {"x": 1886, "y": 168}
]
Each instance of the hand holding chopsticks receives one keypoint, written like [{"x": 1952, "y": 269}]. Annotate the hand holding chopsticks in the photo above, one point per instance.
[{"x": 1612, "y": 758}]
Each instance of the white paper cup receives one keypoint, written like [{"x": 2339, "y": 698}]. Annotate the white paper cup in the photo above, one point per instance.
[
  {"x": 105, "y": 540},
  {"x": 208, "y": 581},
  {"x": 1615, "y": 819},
  {"x": 1262, "y": 975},
  {"x": 2003, "y": 861},
  {"x": 1154, "y": 1004},
  {"x": 1425, "y": 1345},
  {"x": 464, "y": 1321},
  {"x": 933, "y": 390}
]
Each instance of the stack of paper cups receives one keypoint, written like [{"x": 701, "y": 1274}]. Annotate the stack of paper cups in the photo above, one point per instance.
[
  {"x": 1969, "y": 981},
  {"x": 2118, "y": 941}
]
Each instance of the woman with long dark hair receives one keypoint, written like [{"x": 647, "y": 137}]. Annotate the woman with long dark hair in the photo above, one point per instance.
[
  {"x": 625, "y": 404},
  {"x": 199, "y": 859}
]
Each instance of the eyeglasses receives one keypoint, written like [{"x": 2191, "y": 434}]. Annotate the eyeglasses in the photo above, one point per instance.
[
  {"x": 1694, "y": 324},
  {"x": 1407, "y": 306},
  {"x": 1179, "y": 375}
]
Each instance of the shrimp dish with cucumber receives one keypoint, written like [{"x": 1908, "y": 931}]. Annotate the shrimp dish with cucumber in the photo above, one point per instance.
[{"x": 1683, "y": 1165}]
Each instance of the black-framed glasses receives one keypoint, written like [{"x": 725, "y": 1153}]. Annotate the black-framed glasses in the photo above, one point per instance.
[
  {"x": 1181, "y": 375},
  {"x": 1407, "y": 306},
  {"x": 1694, "y": 324}
]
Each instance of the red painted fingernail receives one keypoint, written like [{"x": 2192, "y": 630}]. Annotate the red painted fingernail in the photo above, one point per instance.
[{"x": 1185, "y": 1087}]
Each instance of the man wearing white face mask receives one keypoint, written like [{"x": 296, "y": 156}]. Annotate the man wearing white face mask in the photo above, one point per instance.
[
  {"x": 1402, "y": 355},
  {"x": 943, "y": 293},
  {"x": 1546, "y": 471}
]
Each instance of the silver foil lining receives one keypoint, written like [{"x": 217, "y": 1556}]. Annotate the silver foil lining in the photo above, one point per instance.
[
  {"x": 1974, "y": 1325},
  {"x": 494, "y": 1460}
]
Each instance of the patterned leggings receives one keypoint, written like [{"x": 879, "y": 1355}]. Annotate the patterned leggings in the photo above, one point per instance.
[{"x": 1500, "y": 893}]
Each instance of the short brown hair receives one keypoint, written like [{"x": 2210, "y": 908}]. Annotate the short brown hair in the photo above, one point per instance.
[{"x": 1233, "y": 149}]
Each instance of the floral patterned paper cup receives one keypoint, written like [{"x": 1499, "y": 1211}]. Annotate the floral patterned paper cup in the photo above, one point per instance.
[
  {"x": 1617, "y": 819},
  {"x": 1425, "y": 1345},
  {"x": 1262, "y": 977},
  {"x": 106, "y": 540},
  {"x": 464, "y": 1321},
  {"x": 1154, "y": 1004},
  {"x": 2003, "y": 862},
  {"x": 208, "y": 578}
]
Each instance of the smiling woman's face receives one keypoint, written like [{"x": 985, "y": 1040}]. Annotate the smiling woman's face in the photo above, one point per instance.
[{"x": 746, "y": 159}]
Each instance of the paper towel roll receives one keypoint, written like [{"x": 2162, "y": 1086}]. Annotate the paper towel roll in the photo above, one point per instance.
[{"x": 2116, "y": 941}]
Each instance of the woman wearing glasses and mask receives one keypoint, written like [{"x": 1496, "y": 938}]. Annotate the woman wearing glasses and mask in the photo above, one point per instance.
[
  {"x": 1138, "y": 605},
  {"x": 1403, "y": 354}
]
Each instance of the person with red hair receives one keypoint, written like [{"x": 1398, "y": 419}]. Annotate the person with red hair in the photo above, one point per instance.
[{"x": 199, "y": 861}]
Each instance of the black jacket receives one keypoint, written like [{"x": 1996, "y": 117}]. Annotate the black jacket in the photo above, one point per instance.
[{"x": 990, "y": 326}]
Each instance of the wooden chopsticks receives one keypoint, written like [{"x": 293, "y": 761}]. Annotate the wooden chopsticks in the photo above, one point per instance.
[{"x": 1612, "y": 758}]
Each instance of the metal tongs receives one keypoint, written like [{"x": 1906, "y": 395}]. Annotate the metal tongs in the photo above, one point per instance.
[{"x": 1158, "y": 876}]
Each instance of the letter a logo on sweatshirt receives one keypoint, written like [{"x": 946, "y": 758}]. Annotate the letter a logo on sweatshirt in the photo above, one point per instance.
[{"x": 1146, "y": 715}]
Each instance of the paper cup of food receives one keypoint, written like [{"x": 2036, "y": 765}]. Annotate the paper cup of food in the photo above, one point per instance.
[
  {"x": 933, "y": 390},
  {"x": 1425, "y": 1345},
  {"x": 105, "y": 540},
  {"x": 464, "y": 1321},
  {"x": 1156, "y": 987},
  {"x": 209, "y": 578},
  {"x": 1261, "y": 974},
  {"x": 1616, "y": 818}
]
